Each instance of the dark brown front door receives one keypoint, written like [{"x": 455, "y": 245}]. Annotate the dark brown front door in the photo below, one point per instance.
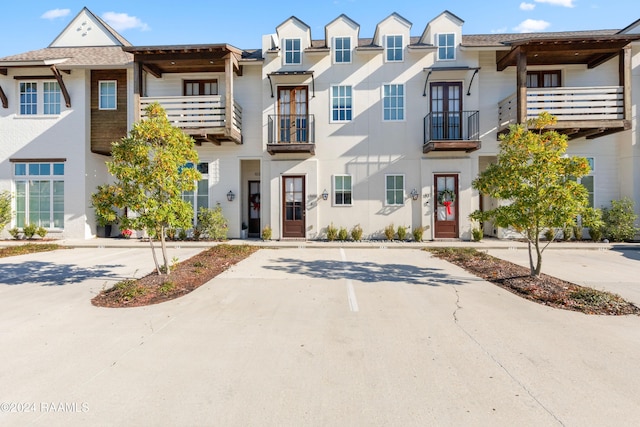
[
  {"x": 293, "y": 206},
  {"x": 254, "y": 208},
  {"x": 446, "y": 220},
  {"x": 446, "y": 108}
]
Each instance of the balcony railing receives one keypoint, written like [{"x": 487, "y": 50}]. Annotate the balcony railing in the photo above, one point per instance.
[
  {"x": 291, "y": 133},
  {"x": 566, "y": 104},
  {"x": 196, "y": 114}
]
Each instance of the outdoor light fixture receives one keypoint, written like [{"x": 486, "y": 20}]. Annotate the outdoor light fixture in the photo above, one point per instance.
[
  {"x": 414, "y": 194},
  {"x": 230, "y": 196},
  {"x": 325, "y": 195}
]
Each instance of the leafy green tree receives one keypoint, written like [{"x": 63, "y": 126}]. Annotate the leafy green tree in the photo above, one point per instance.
[
  {"x": 534, "y": 177},
  {"x": 150, "y": 170},
  {"x": 5, "y": 209}
]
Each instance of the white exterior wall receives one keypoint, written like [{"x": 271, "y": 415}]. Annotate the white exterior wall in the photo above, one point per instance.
[{"x": 50, "y": 137}]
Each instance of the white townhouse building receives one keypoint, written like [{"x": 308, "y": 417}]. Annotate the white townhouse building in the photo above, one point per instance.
[{"x": 302, "y": 133}]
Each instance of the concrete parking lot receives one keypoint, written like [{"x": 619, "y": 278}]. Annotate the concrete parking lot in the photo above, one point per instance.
[{"x": 304, "y": 336}]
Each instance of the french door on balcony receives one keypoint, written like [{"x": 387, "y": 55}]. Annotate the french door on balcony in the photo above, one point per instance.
[
  {"x": 446, "y": 109},
  {"x": 293, "y": 206},
  {"x": 293, "y": 123}
]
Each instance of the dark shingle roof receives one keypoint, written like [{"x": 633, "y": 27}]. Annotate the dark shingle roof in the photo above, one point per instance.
[
  {"x": 490, "y": 40},
  {"x": 76, "y": 56}
]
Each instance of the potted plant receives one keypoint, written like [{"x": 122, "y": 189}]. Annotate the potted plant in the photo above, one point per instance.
[
  {"x": 243, "y": 231},
  {"x": 106, "y": 216}
]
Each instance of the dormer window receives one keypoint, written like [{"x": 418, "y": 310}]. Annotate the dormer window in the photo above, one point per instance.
[
  {"x": 393, "y": 48},
  {"x": 342, "y": 50},
  {"x": 446, "y": 47},
  {"x": 292, "y": 52}
]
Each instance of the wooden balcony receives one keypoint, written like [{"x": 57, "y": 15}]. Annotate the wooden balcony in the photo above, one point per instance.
[
  {"x": 291, "y": 133},
  {"x": 202, "y": 117},
  {"x": 452, "y": 131},
  {"x": 588, "y": 112}
]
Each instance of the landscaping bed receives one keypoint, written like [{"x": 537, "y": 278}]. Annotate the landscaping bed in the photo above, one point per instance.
[
  {"x": 28, "y": 248},
  {"x": 183, "y": 278},
  {"x": 546, "y": 290}
]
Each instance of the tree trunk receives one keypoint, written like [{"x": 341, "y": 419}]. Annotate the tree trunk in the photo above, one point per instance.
[
  {"x": 163, "y": 245},
  {"x": 155, "y": 258},
  {"x": 536, "y": 273}
]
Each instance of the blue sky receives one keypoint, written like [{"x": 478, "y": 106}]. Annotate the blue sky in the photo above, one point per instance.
[{"x": 33, "y": 24}]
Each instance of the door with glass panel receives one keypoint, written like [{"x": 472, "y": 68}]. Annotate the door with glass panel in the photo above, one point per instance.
[
  {"x": 293, "y": 206},
  {"x": 446, "y": 110},
  {"x": 293, "y": 119},
  {"x": 254, "y": 208},
  {"x": 446, "y": 214}
]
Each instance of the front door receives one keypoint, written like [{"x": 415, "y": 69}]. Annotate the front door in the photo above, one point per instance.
[
  {"x": 446, "y": 220},
  {"x": 254, "y": 208},
  {"x": 293, "y": 115},
  {"x": 446, "y": 110},
  {"x": 293, "y": 206}
]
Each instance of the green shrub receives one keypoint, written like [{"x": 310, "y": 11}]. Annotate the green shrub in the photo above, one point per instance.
[
  {"x": 549, "y": 234},
  {"x": 390, "y": 232},
  {"x": 477, "y": 234},
  {"x": 128, "y": 289},
  {"x": 332, "y": 232},
  {"x": 266, "y": 232},
  {"x": 356, "y": 233},
  {"x": 166, "y": 287},
  {"x": 29, "y": 230},
  {"x": 619, "y": 220},
  {"x": 567, "y": 232},
  {"x": 343, "y": 234},
  {"x": 595, "y": 233},
  {"x": 170, "y": 233},
  {"x": 402, "y": 232},
  {"x": 578, "y": 231},
  {"x": 41, "y": 231},
  {"x": 15, "y": 232},
  {"x": 182, "y": 234},
  {"x": 212, "y": 224},
  {"x": 417, "y": 234}
]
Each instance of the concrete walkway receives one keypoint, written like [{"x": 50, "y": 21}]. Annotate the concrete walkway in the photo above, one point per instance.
[{"x": 304, "y": 335}]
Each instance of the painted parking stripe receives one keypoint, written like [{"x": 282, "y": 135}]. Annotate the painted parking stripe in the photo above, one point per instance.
[{"x": 351, "y": 293}]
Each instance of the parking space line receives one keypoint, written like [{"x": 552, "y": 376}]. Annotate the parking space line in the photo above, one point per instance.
[{"x": 351, "y": 293}]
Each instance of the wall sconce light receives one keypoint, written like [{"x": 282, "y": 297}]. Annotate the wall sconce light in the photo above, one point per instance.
[
  {"x": 230, "y": 196},
  {"x": 414, "y": 194},
  {"x": 325, "y": 195}
]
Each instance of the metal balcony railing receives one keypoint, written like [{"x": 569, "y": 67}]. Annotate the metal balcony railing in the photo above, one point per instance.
[
  {"x": 291, "y": 129},
  {"x": 452, "y": 126}
]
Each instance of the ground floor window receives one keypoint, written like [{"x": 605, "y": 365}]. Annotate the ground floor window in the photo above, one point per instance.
[
  {"x": 39, "y": 194},
  {"x": 198, "y": 198},
  {"x": 342, "y": 190},
  {"x": 394, "y": 189}
]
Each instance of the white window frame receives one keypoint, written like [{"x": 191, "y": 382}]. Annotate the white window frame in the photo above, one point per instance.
[
  {"x": 446, "y": 46},
  {"x": 386, "y": 189},
  {"x": 27, "y": 178},
  {"x": 342, "y": 190},
  {"x": 24, "y": 83},
  {"x": 387, "y": 48},
  {"x": 48, "y": 95},
  {"x": 193, "y": 196},
  {"x": 293, "y": 51},
  {"x": 592, "y": 164},
  {"x": 342, "y": 104},
  {"x": 102, "y": 96},
  {"x": 342, "y": 51},
  {"x": 396, "y": 108}
]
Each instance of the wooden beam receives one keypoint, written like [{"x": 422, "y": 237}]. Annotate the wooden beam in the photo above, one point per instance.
[
  {"x": 521, "y": 86},
  {"x": 137, "y": 88},
  {"x": 625, "y": 80},
  {"x": 503, "y": 62},
  {"x": 4, "y": 71},
  {"x": 63, "y": 88},
  {"x": 228, "y": 99},
  {"x": 153, "y": 70},
  {"x": 3, "y": 97}
]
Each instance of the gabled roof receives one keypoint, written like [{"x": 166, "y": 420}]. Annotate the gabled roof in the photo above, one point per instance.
[
  {"x": 70, "y": 57},
  {"x": 105, "y": 27},
  {"x": 393, "y": 15}
]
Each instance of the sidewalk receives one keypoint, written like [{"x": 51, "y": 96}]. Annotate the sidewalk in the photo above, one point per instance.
[{"x": 487, "y": 243}]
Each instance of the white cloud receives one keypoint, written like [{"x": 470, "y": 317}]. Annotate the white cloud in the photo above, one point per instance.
[
  {"x": 527, "y": 6},
  {"x": 531, "y": 26},
  {"x": 55, "y": 13},
  {"x": 122, "y": 21},
  {"x": 563, "y": 3}
]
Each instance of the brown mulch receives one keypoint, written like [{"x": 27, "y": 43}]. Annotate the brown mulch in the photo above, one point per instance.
[
  {"x": 545, "y": 289},
  {"x": 183, "y": 278}
]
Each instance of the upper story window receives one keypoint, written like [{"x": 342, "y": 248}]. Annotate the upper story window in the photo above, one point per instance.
[
  {"x": 341, "y": 104},
  {"x": 342, "y": 50},
  {"x": 393, "y": 102},
  {"x": 543, "y": 78},
  {"x": 292, "y": 51},
  {"x": 393, "y": 48},
  {"x": 107, "y": 94},
  {"x": 200, "y": 87},
  {"x": 446, "y": 46},
  {"x": 31, "y": 105}
]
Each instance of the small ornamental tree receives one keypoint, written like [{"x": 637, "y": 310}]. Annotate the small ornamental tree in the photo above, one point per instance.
[
  {"x": 5, "y": 209},
  {"x": 537, "y": 181},
  {"x": 150, "y": 171}
]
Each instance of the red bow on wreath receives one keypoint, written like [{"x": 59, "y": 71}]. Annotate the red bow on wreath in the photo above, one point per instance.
[
  {"x": 255, "y": 201},
  {"x": 447, "y": 205}
]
